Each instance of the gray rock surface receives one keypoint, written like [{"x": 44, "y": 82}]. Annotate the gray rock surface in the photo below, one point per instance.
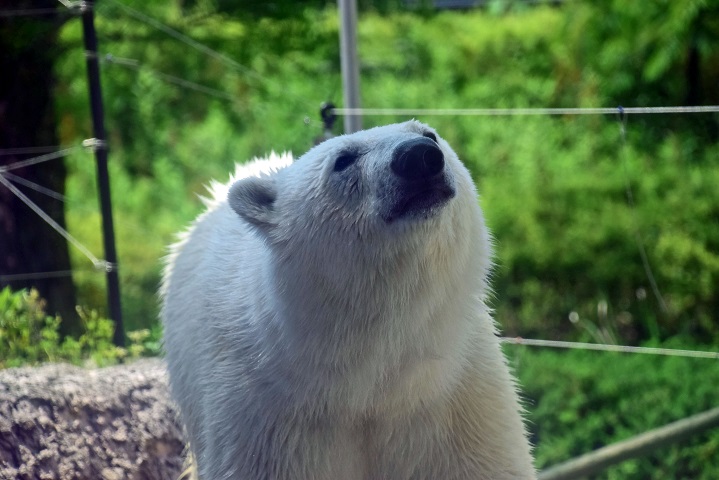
[{"x": 62, "y": 422}]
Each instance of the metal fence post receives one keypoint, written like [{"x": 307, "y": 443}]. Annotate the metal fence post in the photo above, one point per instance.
[
  {"x": 103, "y": 178},
  {"x": 350, "y": 66}
]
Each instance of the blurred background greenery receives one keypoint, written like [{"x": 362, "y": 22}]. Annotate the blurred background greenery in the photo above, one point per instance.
[{"x": 571, "y": 201}]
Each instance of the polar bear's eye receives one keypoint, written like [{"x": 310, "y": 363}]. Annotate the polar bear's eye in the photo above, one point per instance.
[
  {"x": 344, "y": 161},
  {"x": 431, "y": 136}
]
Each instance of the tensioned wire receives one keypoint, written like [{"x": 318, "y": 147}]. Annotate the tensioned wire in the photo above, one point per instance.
[
  {"x": 34, "y": 186},
  {"x": 135, "y": 65},
  {"x": 85, "y": 251},
  {"x": 40, "y": 159},
  {"x": 610, "y": 348},
  {"x": 525, "y": 111},
  {"x": 36, "y": 275},
  {"x": 28, "y": 150},
  {"x": 185, "y": 39},
  {"x": 30, "y": 12},
  {"x": 189, "y": 41}
]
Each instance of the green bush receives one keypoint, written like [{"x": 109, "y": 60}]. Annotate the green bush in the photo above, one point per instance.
[
  {"x": 578, "y": 401},
  {"x": 29, "y": 336}
]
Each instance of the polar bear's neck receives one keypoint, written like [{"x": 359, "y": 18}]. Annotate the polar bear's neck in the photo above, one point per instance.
[{"x": 393, "y": 330}]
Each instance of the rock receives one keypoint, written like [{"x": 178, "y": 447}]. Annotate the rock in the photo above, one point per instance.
[{"x": 59, "y": 421}]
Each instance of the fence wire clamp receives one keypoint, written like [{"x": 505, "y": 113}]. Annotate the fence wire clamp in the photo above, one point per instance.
[
  {"x": 327, "y": 113},
  {"x": 76, "y": 8},
  {"x": 621, "y": 114},
  {"x": 94, "y": 144},
  {"x": 84, "y": 7},
  {"x": 328, "y": 116},
  {"x": 110, "y": 58},
  {"x": 105, "y": 266},
  {"x": 622, "y": 119}
]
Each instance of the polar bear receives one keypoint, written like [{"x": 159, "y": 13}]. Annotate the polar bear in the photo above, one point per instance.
[{"x": 327, "y": 318}]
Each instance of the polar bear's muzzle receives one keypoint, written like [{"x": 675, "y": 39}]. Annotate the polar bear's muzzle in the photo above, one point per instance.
[{"x": 420, "y": 183}]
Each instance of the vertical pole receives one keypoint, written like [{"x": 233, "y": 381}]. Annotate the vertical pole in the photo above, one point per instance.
[
  {"x": 103, "y": 178},
  {"x": 350, "y": 66}
]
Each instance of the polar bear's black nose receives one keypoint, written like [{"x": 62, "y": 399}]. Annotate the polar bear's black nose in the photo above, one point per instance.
[{"x": 417, "y": 159}]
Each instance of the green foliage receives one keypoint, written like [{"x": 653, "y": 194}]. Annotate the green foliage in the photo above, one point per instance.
[
  {"x": 578, "y": 401},
  {"x": 571, "y": 203},
  {"x": 29, "y": 336},
  {"x": 569, "y": 238},
  {"x": 145, "y": 342}
]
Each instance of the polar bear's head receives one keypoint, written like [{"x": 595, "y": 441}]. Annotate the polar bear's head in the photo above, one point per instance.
[
  {"x": 378, "y": 180},
  {"x": 361, "y": 205},
  {"x": 383, "y": 220}
]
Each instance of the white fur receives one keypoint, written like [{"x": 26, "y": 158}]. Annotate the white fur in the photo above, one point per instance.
[{"x": 333, "y": 345}]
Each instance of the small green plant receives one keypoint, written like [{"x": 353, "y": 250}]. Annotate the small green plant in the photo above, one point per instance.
[
  {"x": 144, "y": 342},
  {"x": 96, "y": 343},
  {"x": 28, "y": 335}
]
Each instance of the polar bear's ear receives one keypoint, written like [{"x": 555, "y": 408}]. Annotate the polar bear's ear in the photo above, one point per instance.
[{"x": 253, "y": 199}]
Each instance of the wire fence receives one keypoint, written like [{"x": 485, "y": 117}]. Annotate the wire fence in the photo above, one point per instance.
[
  {"x": 50, "y": 221},
  {"x": 671, "y": 352},
  {"x": 525, "y": 111},
  {"x": 8, "y": 180}
]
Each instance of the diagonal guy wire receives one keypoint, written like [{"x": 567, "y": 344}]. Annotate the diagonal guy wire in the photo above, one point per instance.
[
  {"x": 97, "y": 262},
  {"x": 34, "y": 186},
  {"x": 39, "y": 159},
  {"x": 186, "y": 40},
  {"x": 133, "y": 64}
]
